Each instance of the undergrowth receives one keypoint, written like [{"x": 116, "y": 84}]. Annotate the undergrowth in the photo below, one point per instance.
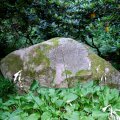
[
  {"x": 6, "y": 87},
  {"x": 85, "y": 102}
]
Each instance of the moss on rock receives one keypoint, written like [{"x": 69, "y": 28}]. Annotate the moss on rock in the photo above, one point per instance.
[
  {"x": 55, "y": 41},
  {"x": 13, "y": 63},
  {"x": 84, "y": 73},
  {"x": 46, "y": 47},
  {"x": 99, "y": 66},
  {"x": 37, "y": 57}
]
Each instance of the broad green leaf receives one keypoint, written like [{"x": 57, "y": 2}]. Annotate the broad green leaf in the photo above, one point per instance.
[
  {"x": 37, "y": 102},
  {"x": 86, "y": 118},
  {"x": 54, "y": 99},
  {"x": 59, "y": 103},
  {"x": 100, "y": 115},
  {"x": 4, "y": 115},
  {"x": 34, "y": 85},
  {"x": 84, "y": 92},
  {"x": 88, "y": 84},
  {"x": 87, "y": 109},
  {"x": 72, "y": 116},
  {"x": 70, "y": 97},
  {"x": 51, "y": 92},
  {"x": 20, "y": 116},
  {"x": 46, "y": 116},
  {"x": 9, "y": 102},
  {"x": 34, "y": 116},
  {"x": 17, "y": 117},
  {"x": 114, "y": 94},
  {"x": 75, "y": 116}
]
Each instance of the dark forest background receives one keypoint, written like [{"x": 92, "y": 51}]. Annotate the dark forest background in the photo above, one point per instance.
[{"x": 94, "y": 22}]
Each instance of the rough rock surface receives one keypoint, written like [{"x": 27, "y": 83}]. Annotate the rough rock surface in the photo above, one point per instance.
[{"x": 58, "y": 62}]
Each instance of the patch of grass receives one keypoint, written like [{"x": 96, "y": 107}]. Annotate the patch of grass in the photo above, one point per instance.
[{"x": 85, "y": 102}]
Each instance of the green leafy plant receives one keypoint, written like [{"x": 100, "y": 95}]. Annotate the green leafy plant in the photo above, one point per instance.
[
  {"x": 6, "y": 87},
  {"x": 87, "y": 101}
]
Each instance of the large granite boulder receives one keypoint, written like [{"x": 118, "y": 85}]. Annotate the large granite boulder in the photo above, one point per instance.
[{"x": 58, "y": 63}]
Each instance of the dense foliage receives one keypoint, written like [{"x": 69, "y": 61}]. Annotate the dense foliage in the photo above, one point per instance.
[
  {"x": 95, "y": 22},
  {"x": 85, "y": 102},
  {"x": 6, "y": 87}
]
